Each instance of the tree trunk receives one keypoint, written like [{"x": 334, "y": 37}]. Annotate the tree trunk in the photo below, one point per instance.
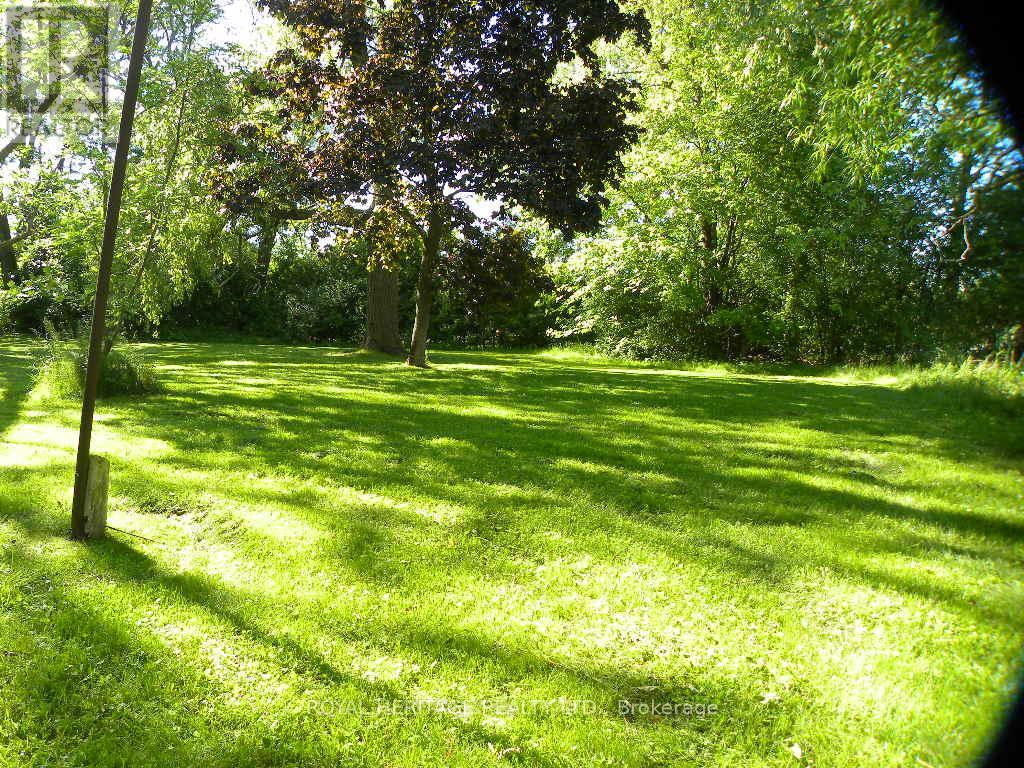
[
  {"x": 713, "y": 292},
  {"x": 382, "y": 312},
  {"x": 709, "y": 230},
  {"x": 8, "y": 262},
  {"x": 425, "y": 292},
  {"x": 268, "y": 235},
  {"x": 952, "y": 267}
]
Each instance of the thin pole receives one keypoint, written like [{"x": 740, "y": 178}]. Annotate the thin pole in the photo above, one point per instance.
[{"x": 99, "y": 311}]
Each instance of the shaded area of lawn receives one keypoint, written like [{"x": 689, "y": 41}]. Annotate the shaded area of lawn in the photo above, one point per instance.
[
  {"x": 16, "y": 366},
  {"x": 338, "y": 539}
]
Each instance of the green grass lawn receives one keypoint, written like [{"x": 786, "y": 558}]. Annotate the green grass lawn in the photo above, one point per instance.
[{"x": 348, "y": 562}]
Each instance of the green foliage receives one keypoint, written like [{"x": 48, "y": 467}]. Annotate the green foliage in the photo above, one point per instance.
[
  {"x": 973, "y": 385},
  {"x": 420, "y": 101},
  {"x": 801, "y": 193},
  {"x": 491, "y": 292},
  {"x": 54, "y": 280},
  {"x": 53, "y": 290},
  {"x": 319, "y": 297},
  {"x": 805, "y": 182},
  {"x": 414, "y": 109},
  {"x": 126, "y": 371},
  {"x": 61, "y": 371},
  {"x": 170, "y": 228},
  {"x": 308, "y": 296},
  {"x": 60, "y": 375},
  {"x": 6, "y": 326}
]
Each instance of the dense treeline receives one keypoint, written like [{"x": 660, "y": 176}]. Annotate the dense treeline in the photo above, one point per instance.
[
  {"x": 823, "y": 182},
  {"x": 491, "y": 292},
  {"x": 799, "y": 181}
]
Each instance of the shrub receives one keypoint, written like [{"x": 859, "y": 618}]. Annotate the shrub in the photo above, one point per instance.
[
  {"x": 973, "y": 385},
  {"x": 492, "y": 292},
  {"x": 52, "y": 291},
  {"x": 61, "y": 372},
  {"x": 124, "y": 372},
  {"x": 309, "y": 297},
  {"x": 6, "y": 302}
]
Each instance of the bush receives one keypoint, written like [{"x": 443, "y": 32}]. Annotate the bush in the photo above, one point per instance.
[
  {"x": 124, "y": 372},
  {"x": 6, "y": 302},
  {"x": 973, "y": 385},
  {"x": 52, "y": 291},
  {"x": 61, "y": 372},
  {"x": 492, "y": 292},
  {"x": 310, "y": 297}
]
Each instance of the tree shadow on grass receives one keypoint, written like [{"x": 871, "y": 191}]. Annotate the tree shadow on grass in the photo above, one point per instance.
[
  {"x": 17, "y": 362},
  {"x": 553, "y": 392},
  {"x": 501, "y": 450},
  {"x": 658, "y": 471},
  {"x": 175, "y": 695},
  {"x": 614, "y": 465}
]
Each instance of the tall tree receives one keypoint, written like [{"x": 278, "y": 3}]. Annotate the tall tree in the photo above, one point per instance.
[
  {"x": 257, "y": 176},
  {"x": 388, "y": 238},
  {"x": 382, "y": 310},
  {"x": 425, "y": 103},
  {"x": 812, "y": 184},
  {"x": 168, "y": 224}
]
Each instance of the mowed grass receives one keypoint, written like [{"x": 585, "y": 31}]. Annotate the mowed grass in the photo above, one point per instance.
[{"x": 506, "y": 560}]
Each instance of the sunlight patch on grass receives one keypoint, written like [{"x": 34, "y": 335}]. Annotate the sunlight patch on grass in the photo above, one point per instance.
[
  {"x": 36, "y": 443},
  {"x": 23, "y": 454},
  {"x": 710, "y": 373},
  {"x": 834, "y": 564}
]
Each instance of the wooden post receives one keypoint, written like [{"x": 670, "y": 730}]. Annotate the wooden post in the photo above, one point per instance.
[
  {"x": 99, "y": 311},
  {"x": 96, "y": 498}
]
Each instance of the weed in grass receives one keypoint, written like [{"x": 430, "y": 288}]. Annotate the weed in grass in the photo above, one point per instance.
[{"x": 61, "y": 372}]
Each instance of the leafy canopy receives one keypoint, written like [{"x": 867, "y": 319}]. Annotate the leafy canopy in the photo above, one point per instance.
[{"x": 430, "y": 101}]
